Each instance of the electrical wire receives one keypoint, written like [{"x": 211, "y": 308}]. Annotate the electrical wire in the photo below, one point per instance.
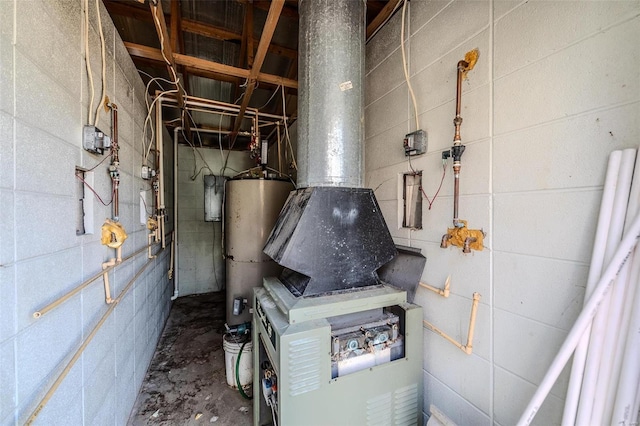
[
  {"x": 273, "y": 414},
  {"x": 444, "y": 173},
  {"x": 104, "y": 63},
  {"x": 94, "y": 191},
  {"x": 404, "y": 65},
  {"x": 275, "y": 92},
  {"x": 101, "y": 161},
  {"x": 146, "y": 209},
  {"x": 286, "y": 130},
  {"x": 147, "y": 121},
  {"x": 87, "y": 59}
]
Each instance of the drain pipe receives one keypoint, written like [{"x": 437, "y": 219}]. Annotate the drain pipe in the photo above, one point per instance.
[{"x": 175, "y": 214}]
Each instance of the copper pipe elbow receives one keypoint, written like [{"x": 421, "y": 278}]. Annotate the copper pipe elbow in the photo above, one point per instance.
[
  {"x": 467, "y": 242},
  {"x": 445, "y": 241}
]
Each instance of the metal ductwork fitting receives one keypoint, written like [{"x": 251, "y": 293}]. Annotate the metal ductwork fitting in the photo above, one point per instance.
[
  {"x": 331, "y": 235},
  {"x": 331, "y": 93}
]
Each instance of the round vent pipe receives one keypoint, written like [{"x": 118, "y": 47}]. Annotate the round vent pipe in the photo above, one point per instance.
[{"x": 331, "y": 93}]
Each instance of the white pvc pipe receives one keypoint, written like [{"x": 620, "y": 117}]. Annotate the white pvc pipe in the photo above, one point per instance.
[
  {"x": 605, "y": 282},
  {"x": 621, "y": 332},
  {"x": 595, "y": 270},
  {"x": 635, "y": 414},
  {"x": 613, "y": 319},
  {"x": 605, "y": 368},
  {"x": 175, "y": 214},
  {"x": 627, "y": 389},
  {"x": 159, "y": 147},
  {"x": 599, "y": 326}
]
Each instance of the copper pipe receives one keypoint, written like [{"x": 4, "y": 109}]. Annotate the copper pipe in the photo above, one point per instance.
[
  {"x": 467, "y": 243},
  {"x": 445, "y": 241},
  {"x": 456, "y": 192},
  {"x": 457, "y": 121},
  {"x": 457, "y": 148},
  {"x": 115, "y": 162}
]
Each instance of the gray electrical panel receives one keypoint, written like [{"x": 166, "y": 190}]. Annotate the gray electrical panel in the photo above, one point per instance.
[{"x": 213, "y": 192}]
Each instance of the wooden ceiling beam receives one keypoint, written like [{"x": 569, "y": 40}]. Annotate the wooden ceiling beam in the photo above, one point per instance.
[
  {"x": 381, "y": 17},
  {"x": 291, "y": 12},
  {"x": 165, "y": 45},
  {"x": 192, "y": 63},
  {"x": 265, "y": 40},
  {"x": 191, "y": 26}
]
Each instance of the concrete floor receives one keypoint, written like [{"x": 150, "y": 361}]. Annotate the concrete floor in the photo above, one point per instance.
[{"x": 186, "y": 382}]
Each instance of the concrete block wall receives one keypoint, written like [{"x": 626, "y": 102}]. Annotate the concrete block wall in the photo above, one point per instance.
[
  {"x": 44, "y": 100},
  {"x": 201, "y": 266},
  {"x": 555, "y": 90}
]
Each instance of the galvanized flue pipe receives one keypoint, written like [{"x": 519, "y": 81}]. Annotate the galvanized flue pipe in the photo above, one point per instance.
[{"x": 331, "y": 93}]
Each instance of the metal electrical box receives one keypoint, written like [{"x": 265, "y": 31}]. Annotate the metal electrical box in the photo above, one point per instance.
[
  {"x": 345, "y": 358},
  {"x": 213, "y": 191},
  {"x": 94, "y": 140},
  {"x": 415, "y": 143}
]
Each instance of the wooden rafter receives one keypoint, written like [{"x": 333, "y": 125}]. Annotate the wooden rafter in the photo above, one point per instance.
[
  {"x": 165, "y": 45},
  {"x": 381, "y": 17},
  {"x": 197, "y": 64},
  {"x": 266, "y": 4},
  {"x": 265, "y": 40},
  {"x": 190, "y": 26}
]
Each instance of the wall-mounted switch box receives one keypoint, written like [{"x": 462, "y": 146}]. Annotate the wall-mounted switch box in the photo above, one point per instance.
[
  {"x": 94, "y": 140},
  {"x": 415, "y": 143},
  {"x": 147, "y": 173}
]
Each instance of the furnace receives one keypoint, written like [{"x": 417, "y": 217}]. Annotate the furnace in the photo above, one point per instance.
[{"x": 334, "y": 344}]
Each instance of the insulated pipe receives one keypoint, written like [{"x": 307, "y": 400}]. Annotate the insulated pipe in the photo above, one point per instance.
[
  {"x": 43, "y": 402},
  {"x": 331, "y": 93},
  {"x": 444, "y": 292},
  {"x": 595, "y": 269},
  {"x": 468, "y": 348},
  {"x": 598, "y": 329},
  {"x": 618, "y": 260},
  {"x": 39, "y": 313}
]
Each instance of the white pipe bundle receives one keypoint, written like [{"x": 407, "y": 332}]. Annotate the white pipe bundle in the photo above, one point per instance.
[{"x": 603, "y": 387}]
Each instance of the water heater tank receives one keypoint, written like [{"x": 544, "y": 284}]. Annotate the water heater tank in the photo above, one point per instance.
[{"x": 252, "y": 207}]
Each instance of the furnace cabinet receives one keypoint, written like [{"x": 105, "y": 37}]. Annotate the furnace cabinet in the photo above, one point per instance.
[{"x": 352, "y": 358}]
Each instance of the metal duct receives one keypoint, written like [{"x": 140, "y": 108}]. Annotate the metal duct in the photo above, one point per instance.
[{"x": 331, "y": 93}]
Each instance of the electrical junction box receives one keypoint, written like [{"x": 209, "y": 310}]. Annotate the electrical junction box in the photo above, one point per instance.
[
  {"x": 147, "y": 173},
  {"x": 415, "y": 143},
  {"x": 94, "y": 140}
]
